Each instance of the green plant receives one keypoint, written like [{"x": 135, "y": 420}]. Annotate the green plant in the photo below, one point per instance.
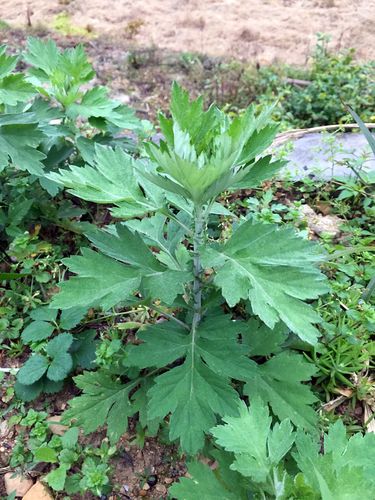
[
  {"x": 20, "y": 454},
  {"x": 63, "y": 24},
  {"x": 74, "y": 468},
  {"x": 339, "y": 359},
  {"x": 207, "y": 294},
  {"x": 53, "y": 360},
  {"x": 46, "y": 118},
  {"x": 361, "y": 188},
  {"x": 33, "y": 434},
  {"x": 333, "y": 78},
  {"x": 79, "y": 469},
  {"x": 183, "y": 366},
  {"x": 3, "y": 25},
  {"x": 259, "y": 463},
  {"x": 344, "y": 356},
  {"x": 23, "y": 288},
  {"x": 60, "y": 76},
  {"x": 95, "y": 476},
  {"x": 263, "y": 210}
]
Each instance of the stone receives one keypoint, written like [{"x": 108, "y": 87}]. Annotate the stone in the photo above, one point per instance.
[
  {"x": 329, "y": 225},
  {"x": 160, "y": 488},
  {"x": 4, "y": 429},
  {"x": 168, "y": 480},
  {"x": 324, "y": 207},
  {"x": 55, "y": 427},
  {"x": 312, "y": 157},
  {"x": 321, "y": 224},
  {"x": 123, "y": 98},
  {"x": 18, "y": 483},
  {"x": 38, "y": 492}
]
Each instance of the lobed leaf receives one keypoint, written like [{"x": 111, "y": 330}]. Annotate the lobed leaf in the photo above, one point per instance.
[
  {"x": 204, "y": 153},
  {"x": 96, "y": 103},
  {"x": 42, "y": 54},
  {"x": 127, "y": 266},
  {"x": 14, "y": 88},
  {"x": 202, "y": 484},
  {"x": 273, "y": 269},
  {"x": 104, "y": 401},
  {"x": 258, "y": 449},
  {"x": 7, "y": 62},
  {"x": 193, "y": 395},
  {"x": 346, "y": 469},
  {"x": 19, "y": 138},
  {"x": 197, "y": 390},
  {"x": 101, "y": 281},
  {"x": 111, "y": 179},
  {"x": 279, "y": 382}
]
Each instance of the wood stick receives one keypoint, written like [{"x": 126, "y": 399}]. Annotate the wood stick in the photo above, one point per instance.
[
  {"x": 300, "y": 132},
  {"x": 297, "y": 82}
]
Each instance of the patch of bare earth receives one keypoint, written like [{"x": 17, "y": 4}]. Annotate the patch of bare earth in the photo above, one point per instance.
[{"x": 256, "y": 30}]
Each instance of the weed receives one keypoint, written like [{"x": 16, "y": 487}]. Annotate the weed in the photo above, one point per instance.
[{"x": 63, "y": 24}]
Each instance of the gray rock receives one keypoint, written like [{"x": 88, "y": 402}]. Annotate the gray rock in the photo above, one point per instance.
[{"x": 324, "y": 156}]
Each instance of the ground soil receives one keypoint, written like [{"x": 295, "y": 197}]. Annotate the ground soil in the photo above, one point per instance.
[
  {"x": 142, "y": 77},
  {"x": 133, "y": 467},
  {"x": 255, "y": 30}
]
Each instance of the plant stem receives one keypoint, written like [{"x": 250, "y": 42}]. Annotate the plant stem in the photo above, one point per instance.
[{"x": 198, "y": 237}]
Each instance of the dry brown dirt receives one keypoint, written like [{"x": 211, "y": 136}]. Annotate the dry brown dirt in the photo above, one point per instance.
[{"x": 263, "y": 31}]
